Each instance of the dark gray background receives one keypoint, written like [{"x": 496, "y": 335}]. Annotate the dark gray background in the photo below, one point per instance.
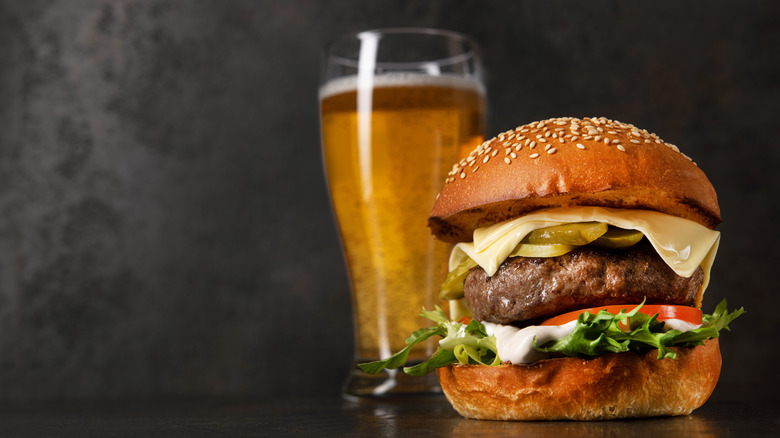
[{"x": 164, "y": 223}]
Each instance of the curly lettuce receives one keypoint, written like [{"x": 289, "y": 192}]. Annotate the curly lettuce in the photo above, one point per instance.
[
  {"x": 600, "y": 333},
  {"x": 462, "y": 343}
]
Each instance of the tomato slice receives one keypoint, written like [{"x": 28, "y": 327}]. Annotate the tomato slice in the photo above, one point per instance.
[
  {"x": 664, "y": 311},
  {"x": 465, "y": 320}
]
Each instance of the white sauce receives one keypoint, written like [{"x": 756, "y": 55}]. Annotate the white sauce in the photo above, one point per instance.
[
  {"x": 517, "y": 345},
  {"x": 679, "y": 324}
]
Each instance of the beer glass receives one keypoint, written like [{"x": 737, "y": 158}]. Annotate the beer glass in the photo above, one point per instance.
[{"x": 398, "y": 108}]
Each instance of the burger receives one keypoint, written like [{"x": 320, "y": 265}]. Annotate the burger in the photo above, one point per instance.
[{"x": 582, "y": 249}]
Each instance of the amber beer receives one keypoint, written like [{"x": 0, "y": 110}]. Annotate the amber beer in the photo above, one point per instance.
[{"x": 387, "y": 151}]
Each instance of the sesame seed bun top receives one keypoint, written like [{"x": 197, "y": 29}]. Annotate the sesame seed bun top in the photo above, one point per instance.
[{"x": 570, "y": 162}]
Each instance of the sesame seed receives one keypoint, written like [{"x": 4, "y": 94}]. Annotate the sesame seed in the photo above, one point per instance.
[
  {"x": 495, "y": 152},
  {"x": 513, "y": 155},
  {"x": 620, "y": 147},
  {"x": 475, "y": 169},
  {"x": 532, "y": 145},
  {"x": 541, "y": 140},
  {"x": 616, "y": 141},
  {"x": 534, "y": 155},
  {"x": 507, "y": 160},
  {"x": 574, "y": 138},
  {"x": 547, "y": 147},
  {"x": 598, "y": 138},
  {"x": 462, "y": 175},
  {"x": 560, "y": 139},
  {"x": 487, "y": 157},
  {"x": 606, "y": 140},
  {"x": 647, "y": 140},
  {"x": 580, "y": 146},
  {"x": 633, "y": 140},
  {"x": 518, "y": 147},
  {"x": 611, "y": 132},
  {"x": 551, "y": 151}
]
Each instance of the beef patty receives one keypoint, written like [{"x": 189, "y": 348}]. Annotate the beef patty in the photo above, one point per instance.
[{"x": 526, "y": 288}]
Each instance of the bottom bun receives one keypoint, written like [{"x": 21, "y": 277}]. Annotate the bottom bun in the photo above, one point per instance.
[{"x": 607, "y": 387}]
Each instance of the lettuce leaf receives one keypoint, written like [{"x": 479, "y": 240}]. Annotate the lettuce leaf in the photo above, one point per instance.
[
  {"x": 598, "y": 334},
  {"x": 461, "y": 343},
  {"x": 593, "y": 335}
]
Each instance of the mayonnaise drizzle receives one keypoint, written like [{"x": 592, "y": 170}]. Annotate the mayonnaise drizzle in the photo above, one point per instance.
[{"x": 517, "y": 345}]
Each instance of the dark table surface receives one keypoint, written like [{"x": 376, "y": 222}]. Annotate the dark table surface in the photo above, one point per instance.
[{"x": 336, "y": 417}]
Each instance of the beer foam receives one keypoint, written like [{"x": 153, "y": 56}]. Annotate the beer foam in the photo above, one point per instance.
[{"x": 350, "y": 83}]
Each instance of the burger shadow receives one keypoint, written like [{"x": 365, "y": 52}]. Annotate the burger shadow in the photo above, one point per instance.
[
  {"x": 682, "y": 426},
  {"x": 428, "y": 416}
]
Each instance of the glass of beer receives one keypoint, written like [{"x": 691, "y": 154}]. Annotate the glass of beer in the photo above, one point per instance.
[{"x": 398, "y": 108}]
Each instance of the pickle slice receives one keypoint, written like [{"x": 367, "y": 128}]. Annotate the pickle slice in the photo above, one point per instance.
[
  {"x": 618, "y": 238},
  {"x": 533, "y": 250},
  {"x": 452, "y": 288},
  {"x": 581, "y": 233}
]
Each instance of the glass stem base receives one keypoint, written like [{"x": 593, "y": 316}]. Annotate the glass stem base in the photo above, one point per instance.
[{"x": 389, "y": 384}]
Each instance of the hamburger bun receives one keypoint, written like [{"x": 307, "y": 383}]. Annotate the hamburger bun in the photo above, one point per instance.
[
  {"x": 570, "y": 162},
  {"x": 611, "y": 386}
]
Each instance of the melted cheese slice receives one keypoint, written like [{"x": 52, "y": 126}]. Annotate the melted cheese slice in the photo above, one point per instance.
[{"x": 683, "y": 244}]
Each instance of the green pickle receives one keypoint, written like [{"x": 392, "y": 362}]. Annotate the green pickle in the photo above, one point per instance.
[
  {"x": 533, "y": 250},
  {"x": 619, "y": 238},
  {"x": 581, "y": 233},
  {"x": 452, "y": 288}
]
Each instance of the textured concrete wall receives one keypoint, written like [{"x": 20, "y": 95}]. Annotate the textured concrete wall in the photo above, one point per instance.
[{"x": 164, "y": 223}]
